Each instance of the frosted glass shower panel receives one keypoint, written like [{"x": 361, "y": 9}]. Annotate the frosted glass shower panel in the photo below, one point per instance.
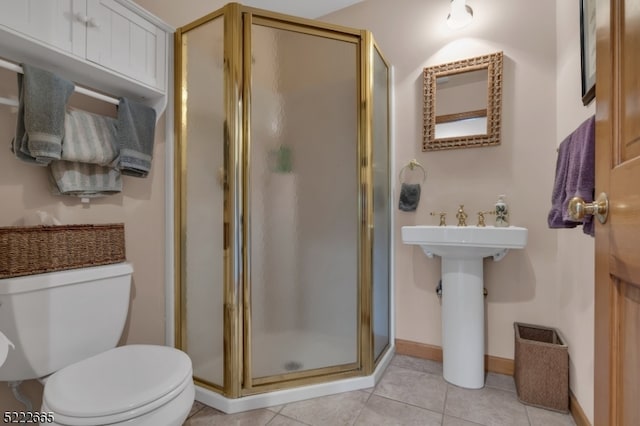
[
  {"x": 303, "y": 184},
  {"x": 203, "y": 206},
  {"x": 381, "y": 212}
]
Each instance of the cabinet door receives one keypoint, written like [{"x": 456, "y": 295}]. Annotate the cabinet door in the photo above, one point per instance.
[
  {"x": 59, "y": 23},
  {"x": 125, "y": 42}
]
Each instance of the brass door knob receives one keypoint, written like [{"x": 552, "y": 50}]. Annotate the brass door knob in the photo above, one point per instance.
[{"x": 578, "y": 209}]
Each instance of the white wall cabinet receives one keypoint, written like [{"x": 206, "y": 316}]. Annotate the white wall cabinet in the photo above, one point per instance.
[
  {"x": 123, "y": 41},
  {"x": 118, "y": 36},
  {"x": 55, "y": 22}
]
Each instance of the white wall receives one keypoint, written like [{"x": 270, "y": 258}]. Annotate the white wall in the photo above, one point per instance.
[
  {"x": 547, "y": 283},
  {"x": 576, "y": 251}
]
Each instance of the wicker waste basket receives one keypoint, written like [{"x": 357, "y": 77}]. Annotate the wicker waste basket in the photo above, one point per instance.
[{"x": 541, "y": 367}]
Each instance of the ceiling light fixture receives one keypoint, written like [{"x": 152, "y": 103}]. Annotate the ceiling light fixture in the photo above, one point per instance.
[{"x": 460, "y": 15}]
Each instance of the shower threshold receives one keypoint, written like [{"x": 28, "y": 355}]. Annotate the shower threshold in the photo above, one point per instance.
[{"x": 285, "y": 396}]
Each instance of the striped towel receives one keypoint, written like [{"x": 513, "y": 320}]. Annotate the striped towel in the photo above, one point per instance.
[
  {"x": 89, "y": 138},
  {"x": 84, "y": 180}
]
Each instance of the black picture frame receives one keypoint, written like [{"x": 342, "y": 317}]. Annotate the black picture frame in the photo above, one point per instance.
[{"x": 588, "y": 49}]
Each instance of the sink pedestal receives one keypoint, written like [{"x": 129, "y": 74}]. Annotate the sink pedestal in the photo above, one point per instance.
[
  {"x": 463, "y": 322},
  {"x": 462, "y": 249}
]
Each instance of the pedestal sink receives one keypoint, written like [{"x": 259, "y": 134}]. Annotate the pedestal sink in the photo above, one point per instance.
[{"x": 462, "y": 249}]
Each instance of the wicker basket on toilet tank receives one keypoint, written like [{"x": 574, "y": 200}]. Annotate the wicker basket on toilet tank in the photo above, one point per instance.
[
  {"x": 27, "y": 250},
  {"x": 541, "y": 367}
]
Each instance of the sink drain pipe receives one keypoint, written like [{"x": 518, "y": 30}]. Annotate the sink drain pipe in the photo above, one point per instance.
[{"x": 439, "y": 290}]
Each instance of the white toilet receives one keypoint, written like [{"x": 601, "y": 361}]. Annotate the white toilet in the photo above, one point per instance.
[{"x": 65, "y": 326}]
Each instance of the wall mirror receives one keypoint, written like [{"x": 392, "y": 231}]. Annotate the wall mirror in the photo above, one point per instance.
[{"x": 463, "y": 103}]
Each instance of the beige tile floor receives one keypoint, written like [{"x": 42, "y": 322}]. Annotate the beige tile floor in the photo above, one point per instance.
[{"x": 412, "y": 392}]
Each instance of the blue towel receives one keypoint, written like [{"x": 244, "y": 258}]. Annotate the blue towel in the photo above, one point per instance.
[
  {"x": 136, "y": 124},
  {"x": 575, "y": 177},
  {"x": 409, "y": 197},
  {"x": 42, "y": 102}
]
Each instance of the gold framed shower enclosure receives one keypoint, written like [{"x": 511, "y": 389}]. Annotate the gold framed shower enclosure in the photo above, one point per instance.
[{"x": 282, "y": 186}]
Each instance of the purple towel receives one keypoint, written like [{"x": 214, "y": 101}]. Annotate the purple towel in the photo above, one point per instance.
[
  {"x": 555, "y": 219},
  {"x": 581, "y": 175},
  {"x": 575, "y": 177}
]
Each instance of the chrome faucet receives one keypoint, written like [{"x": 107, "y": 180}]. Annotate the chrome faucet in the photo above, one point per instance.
[{"x": 461, "y": 216}]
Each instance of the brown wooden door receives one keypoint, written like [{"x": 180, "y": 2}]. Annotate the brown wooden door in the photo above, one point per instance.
[{"x": 617, "y": 293}]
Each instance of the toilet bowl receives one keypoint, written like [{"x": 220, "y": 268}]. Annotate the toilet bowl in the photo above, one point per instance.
[
  {"x": 65, "y": 326},
  {"x": 134, "y": 385}
]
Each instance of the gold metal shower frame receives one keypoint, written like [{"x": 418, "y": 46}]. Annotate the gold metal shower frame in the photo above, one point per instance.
[{"x": 238, "y": 19}]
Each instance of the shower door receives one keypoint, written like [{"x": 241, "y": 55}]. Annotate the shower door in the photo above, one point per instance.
[
  {"x": 302, "y": 206},
  {"x": 381, "y": 278},
  {"x": 203, "y": 249},
  {"x": 283, "y": 216}
]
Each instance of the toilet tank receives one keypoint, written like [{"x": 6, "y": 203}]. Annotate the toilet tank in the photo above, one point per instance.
[{"x": 59, "y": 318}]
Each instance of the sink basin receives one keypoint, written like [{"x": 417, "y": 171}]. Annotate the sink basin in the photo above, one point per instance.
[
  {"x": 465, "y": 241},
  {"x": 462, "y": 249}
]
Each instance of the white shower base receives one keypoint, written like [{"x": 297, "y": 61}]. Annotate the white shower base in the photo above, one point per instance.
[
  {"x": 277, "y": 353},
  {"x": 274, "y": 353},
  {"x": 269, "y": 399}
]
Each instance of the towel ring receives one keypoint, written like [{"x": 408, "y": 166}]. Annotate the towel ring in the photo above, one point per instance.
[{"x": 412, "y": 165}]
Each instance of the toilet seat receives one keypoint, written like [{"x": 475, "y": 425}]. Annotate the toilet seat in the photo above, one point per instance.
[{"x": 117, "y": 385}]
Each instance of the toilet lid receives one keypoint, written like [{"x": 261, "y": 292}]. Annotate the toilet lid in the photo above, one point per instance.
[{"x": 116, "y": 381}]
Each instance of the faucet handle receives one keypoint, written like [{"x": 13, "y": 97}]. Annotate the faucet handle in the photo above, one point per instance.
[
  {"x": 461, "y": 216},
  {"x": 442, "y": 217},
  {"x": 481, "y": 217}
]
